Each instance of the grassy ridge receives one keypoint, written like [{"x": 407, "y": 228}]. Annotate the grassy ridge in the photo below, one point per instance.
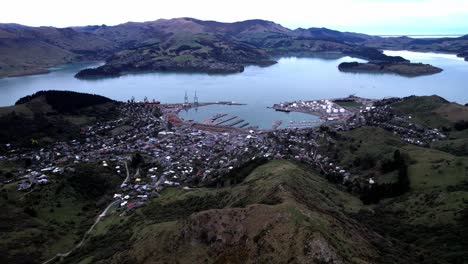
[{"x": 281, "y": 212}]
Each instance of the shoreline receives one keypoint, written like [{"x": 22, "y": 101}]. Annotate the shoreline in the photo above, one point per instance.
[{"x": 275, "y": 57}]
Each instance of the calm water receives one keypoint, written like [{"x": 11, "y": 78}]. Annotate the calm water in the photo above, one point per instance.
[{"x": 290, "y": 79}]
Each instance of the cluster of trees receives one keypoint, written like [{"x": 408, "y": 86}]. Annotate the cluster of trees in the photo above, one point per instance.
[
  {"x": 91, "y": 181},
  {"x": 26, "y": 132},
  {"x": 376, "y": 192},
  {"x": 66, "y": 101},
  {"x": 461, "y": 125}
]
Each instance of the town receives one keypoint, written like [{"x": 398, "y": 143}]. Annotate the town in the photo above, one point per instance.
[{"x": 189, "y": 154}]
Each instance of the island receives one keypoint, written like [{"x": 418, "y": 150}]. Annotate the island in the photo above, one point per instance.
[{"x": 404, "y": 68}]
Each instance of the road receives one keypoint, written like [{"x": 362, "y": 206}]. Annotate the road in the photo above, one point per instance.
[{"x": 98, "y": 219}]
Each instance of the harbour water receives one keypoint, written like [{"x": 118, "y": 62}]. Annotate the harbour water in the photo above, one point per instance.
[{"x": 258, "y": 87}]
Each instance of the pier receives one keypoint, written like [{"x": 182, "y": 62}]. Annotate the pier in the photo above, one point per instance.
[
  {"x": 235, "y": 123},
  {"x": 213, "y": 118},
  {"x": 277, "y": 124},
  {"x": 225, "y": 120}
]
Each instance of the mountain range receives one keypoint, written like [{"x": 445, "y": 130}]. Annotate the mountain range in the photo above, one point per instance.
[{"x": 188, "y": 44}]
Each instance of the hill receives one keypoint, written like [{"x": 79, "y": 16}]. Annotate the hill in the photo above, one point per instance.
[
  {"x": 47, "y": 116},
  {"x": 397, "y": 201},
  {"x": 181, "y": 44},
  {"x": 187, "y": 44},
  {"x": 421, "y": 200},
  {"x": 30, "y": 50},
  {"x": 52, "y": 219},
  {"x": 280, "y": 213},
  {"x": 458, "y": 46}
]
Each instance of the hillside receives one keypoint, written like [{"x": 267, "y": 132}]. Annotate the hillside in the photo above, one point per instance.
[
  {"x": 373, "y": 195},
  {"x": 279, "y": 213},
  {"x": 181, "y": 44},
  {"x": 47, "y": 116},
  {"x": 422, "y": 199},
  {"x": 30, "y": 50},
  {"x": 458, "y": 46},
  {"x": 187, "y": 44},
  {"x": 52, "y": 219}
]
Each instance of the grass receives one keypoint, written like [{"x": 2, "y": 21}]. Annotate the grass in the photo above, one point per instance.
[
  {"x": 361, "y": 151},
  {"x": 435, "y": 169},
  {"x": 277, "y": 207},
  {"x": 79, "y": 120},
  {"x": 455, "y": 146},
  {"x": 19, "y": 109},
  {"x": 432, "y": 111},
  {"x": 48, "y": 220},
  {"x": 351, "y": 104},
  {"x": 453, "y": 112},
  {"x": 430, "y": 218}
]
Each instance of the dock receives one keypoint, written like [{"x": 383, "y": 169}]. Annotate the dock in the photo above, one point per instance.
[
  {"x": 276, "y": 124},
  {"x": 235, "y": 123},
  {"x": 213, "y": 118},
  {"x": 225, "y": 120}
]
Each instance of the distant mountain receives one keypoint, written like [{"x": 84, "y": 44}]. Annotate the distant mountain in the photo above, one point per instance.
[
  {"x": 26, "y": 50},
  {"x": 188, "y": 44},
  {"x": 457, "y": 46},
  {"x": 328, "y": 34}
]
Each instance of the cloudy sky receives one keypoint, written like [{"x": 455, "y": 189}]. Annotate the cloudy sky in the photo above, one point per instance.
[{"x": 367, "y": 16}]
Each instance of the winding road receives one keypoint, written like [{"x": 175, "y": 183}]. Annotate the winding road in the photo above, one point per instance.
[{"x": 98, "y": 219}]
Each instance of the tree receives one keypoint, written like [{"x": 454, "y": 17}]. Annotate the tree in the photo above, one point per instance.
[
  {"x": 403, "y": 183},
  {"x": 137, "y": 160}
]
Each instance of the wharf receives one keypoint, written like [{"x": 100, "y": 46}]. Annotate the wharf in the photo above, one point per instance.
[
  {"x": 235, "y": 123},
  {"x": 277, "y": 124},
  {"x": 225, "y": 120},
  {"x": 213, "y": 118}
]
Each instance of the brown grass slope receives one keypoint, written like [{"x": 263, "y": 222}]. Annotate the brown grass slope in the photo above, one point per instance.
[{"x": 281, "y": 213}]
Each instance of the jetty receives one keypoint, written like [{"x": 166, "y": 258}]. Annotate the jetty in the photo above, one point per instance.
[
  {"x": 277, "y": 124},
  {"x": 213, "y": 118},
  {"x": 225, "y": 120},
  {"x": 235, "y": 123}
]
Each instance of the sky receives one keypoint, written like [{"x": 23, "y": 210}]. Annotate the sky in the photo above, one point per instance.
[{"x": 366, "y": 16}]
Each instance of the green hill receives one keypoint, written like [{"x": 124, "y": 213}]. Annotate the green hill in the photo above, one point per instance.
[
  {"x": 280, "y": 213},
  {"x": 48, "y": 116},
  {"x": 37, "y": 225}
]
